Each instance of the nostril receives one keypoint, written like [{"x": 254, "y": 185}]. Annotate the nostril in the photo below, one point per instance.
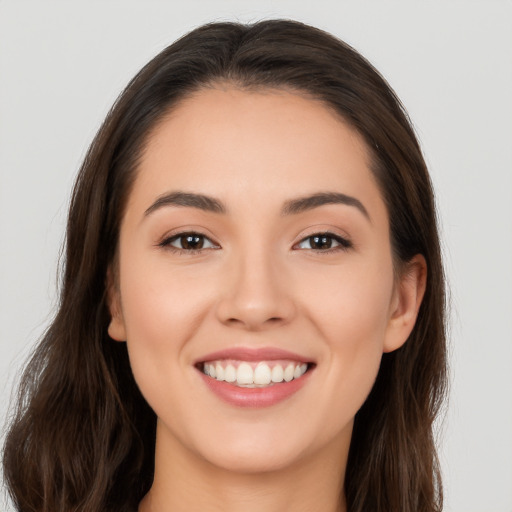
[{"x": 234, "y": 321}]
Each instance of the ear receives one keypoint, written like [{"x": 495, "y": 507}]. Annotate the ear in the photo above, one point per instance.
[
  {"x": 406, "y": 302},
  {"x": 116, "y": 327}
]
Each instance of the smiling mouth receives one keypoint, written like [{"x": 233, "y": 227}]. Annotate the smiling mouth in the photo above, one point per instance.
[{"x": 254, "y": 374}]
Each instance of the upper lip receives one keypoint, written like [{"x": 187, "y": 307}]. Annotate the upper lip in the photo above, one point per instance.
[{"x": 253, "y": 354}]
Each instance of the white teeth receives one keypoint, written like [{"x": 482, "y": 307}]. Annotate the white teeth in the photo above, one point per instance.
[
  {"x": 244, "y": 374},
  {"x": 230, "y": 373},
  {"x": 262, "y": 374},
  {"x": 219, "y": 372},
  {"x": 300, "y": 370},
  {"x": 289, "y": 372},
  {"x": 277, "y": 373}
]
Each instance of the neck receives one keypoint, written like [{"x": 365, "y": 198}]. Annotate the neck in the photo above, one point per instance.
[{"x": 183, "y": 482}]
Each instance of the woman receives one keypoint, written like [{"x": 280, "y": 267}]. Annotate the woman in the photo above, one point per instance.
[{"x": 252, "y": 309}]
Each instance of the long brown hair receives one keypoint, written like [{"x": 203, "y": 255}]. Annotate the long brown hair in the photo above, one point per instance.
[{"x": 83, "y": 437}]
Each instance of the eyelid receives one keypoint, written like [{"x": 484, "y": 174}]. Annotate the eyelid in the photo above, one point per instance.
[
  {"x": 175, "y": 238},
  {"x": 344, "y": 243},
  {"x": 165, "y": 241}
]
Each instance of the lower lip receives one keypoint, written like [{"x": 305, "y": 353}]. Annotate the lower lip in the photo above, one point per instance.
[{"x": 254, "y": 397}]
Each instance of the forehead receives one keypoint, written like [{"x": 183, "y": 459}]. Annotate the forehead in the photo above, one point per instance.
[{"x": 244, "y": 146}]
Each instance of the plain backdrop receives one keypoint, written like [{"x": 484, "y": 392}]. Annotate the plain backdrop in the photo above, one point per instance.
[{"x": 62, "y": 64}]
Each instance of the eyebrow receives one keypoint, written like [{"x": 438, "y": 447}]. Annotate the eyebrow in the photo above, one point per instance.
[
  {"x": 302, "y": 204},
  {"x": 187, "y": 199},
  {"x": 290, "y": 207}
]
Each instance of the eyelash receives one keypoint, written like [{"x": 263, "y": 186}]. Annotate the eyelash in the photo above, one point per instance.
[
  {"x": 166, "y": 243},
  {"x": 344, "y": 244}
]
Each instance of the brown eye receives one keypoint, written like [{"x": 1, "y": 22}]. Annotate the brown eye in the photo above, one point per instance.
[
  {"x": 320, "y": 242},
  {"x": 324, "y": 242},
  {"x": 189, "y": 242}
]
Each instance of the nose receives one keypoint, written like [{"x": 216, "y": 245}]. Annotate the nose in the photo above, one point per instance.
[{"x": 256, "y": 295}]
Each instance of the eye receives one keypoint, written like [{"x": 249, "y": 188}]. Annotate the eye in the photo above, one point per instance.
[
  {"x": 188, "y": 242},
  {"x": 324, "y": 242}
]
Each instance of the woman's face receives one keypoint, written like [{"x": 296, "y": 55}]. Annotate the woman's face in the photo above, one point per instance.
[{"x": 255, "y": 247}]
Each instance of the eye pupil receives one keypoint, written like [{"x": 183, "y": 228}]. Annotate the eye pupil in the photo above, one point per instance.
[
  {"x": 321, "y": 242},
  {"x": 192, "y": 241}
]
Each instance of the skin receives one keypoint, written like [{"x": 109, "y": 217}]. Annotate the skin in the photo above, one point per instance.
[{"x": 258, "y": 284}]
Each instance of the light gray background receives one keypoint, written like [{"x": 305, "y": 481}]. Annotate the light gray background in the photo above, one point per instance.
[{"x": 62, "y": 64}]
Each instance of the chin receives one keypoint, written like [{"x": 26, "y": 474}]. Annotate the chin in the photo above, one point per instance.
[
  {"x": 254, "y": 459},
  {"x": 265, "y": 448}
]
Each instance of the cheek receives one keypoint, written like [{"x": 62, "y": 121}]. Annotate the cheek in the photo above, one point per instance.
[
  {"x": 350, "y": 311},
  {"x": 162, "y": 310},
  {"x": 350, "y": 304},
  {"x": 159, "y": 301}
]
